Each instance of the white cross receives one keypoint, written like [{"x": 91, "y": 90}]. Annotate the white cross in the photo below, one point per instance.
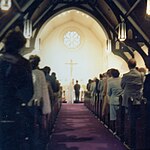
[{"x": 71, "y": 63}]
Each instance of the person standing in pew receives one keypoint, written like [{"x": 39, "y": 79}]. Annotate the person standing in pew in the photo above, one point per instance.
[
  {"x": 100, "y": 86},
  {"x": 105, "y": 103},
  {"x": 40, "y": 99},
  {"x": 46, "y": 71},
  {"x": 88, "y": 85},
  {"x": 132, "y": 83},
  {"x": 16, "y": 87},
  {"x": 114, "y": 91},
  {"x": 41, "y": 94}
]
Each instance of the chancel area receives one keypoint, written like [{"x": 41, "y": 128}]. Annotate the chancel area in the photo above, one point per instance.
[
  {"x": 76, "y": 50},
  {"x": 88, "y": 67}
]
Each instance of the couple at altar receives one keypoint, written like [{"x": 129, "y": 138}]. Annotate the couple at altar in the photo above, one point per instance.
[{"x": 73, "y": 93}]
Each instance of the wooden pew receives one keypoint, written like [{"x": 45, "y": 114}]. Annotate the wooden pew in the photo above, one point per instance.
[
  {"x": 134, "y": 132},
  {"x": 99, "y": 113},
  {"x": 147, "y": 126},
  {"x": 120, "y": 120}
]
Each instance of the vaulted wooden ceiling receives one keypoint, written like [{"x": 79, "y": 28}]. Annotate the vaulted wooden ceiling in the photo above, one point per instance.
[{"x": 109, "y": 13}]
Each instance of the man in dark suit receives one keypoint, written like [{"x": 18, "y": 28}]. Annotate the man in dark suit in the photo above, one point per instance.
[{"x": 77, "y": 91}]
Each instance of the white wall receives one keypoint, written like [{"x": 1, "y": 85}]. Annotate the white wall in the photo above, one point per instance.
[
  {"x": 90, "y": 56},
  {"x": 118, "y": 63},
  {"x": 139, "y": 59}
]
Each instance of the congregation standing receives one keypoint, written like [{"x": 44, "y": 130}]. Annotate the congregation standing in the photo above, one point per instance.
[
  {"x": 27, "y": 95},
  {"x": 23, "y": 84},
  {"x": 111, "y": 86},
  {"x": 16, "y": 87},
  {"x": 127, "y": 92}
]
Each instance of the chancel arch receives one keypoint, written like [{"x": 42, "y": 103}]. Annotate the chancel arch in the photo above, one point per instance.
[
  {"x": 75, "y": 35},
  {"x": 79, "y": 36}
]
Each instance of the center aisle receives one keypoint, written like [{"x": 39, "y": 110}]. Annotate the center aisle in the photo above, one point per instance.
[{"x": 77, "y": 129}]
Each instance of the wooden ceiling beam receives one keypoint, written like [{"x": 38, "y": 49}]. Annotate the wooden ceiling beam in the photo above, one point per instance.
[
  {"x": 132, "y": 21},
  {"x": 132, "y": 8}
]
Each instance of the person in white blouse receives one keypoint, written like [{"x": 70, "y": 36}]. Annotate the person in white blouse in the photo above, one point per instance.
[{"x": 41, "y": 94}]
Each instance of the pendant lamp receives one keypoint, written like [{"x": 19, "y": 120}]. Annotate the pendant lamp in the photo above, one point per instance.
[
  {"x": 5, "y": 4},
  {"x": 27, "y": 29},
  {"x": 148, "y": 7},
  {"x": 122, "y": 32}
]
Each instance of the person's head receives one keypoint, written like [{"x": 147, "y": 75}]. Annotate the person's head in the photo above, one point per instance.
[
  {"x": 76, "y": 81},
  {"x": 34, "y": 61},
  {"x": 101, "y": 76},
  {"x": 108, "y": 73},
  {"x": 14, "y": 41},
  {"x": 142, "y": 69},
  {"x": 47, "y": 69},
  {"x": 89, "y": 81},
  {"x": 132, "y": 63},
  {"x": 104, "y": 75},
  {"x": 137, "y": 68},
  {"x": 115, "y": 73},
  {"x": 53, "y": 75}
]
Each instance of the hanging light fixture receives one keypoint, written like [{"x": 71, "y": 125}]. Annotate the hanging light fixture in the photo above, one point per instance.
[
  {"x": 122, "y": 31},
  {"x": 5, "y": 4},
  {"x": 27, "y": 29},
  {"x": 148, "y": 7},
  {"x": 109, "y": 46}
]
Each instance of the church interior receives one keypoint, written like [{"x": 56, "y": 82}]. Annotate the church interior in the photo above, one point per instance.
[{"x": 79, "y": 40}]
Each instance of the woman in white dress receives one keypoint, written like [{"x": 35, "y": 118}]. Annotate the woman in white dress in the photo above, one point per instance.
[{"x": 41, "y": 94}]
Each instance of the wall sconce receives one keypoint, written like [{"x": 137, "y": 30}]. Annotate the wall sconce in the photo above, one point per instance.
[
  {"x": 109, "y": 46},
  {"x": 27, "y": 29},
  {"x": 148, "y": 7},
  {"x": 122, "y": 32},
  {"x": 5, "y": 4}
]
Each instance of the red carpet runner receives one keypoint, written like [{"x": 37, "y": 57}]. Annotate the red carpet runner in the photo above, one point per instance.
[{"x": 77, "y": 129}]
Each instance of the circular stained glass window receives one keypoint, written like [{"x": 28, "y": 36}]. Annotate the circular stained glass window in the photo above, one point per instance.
[{"x": 72, "y": 39}]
